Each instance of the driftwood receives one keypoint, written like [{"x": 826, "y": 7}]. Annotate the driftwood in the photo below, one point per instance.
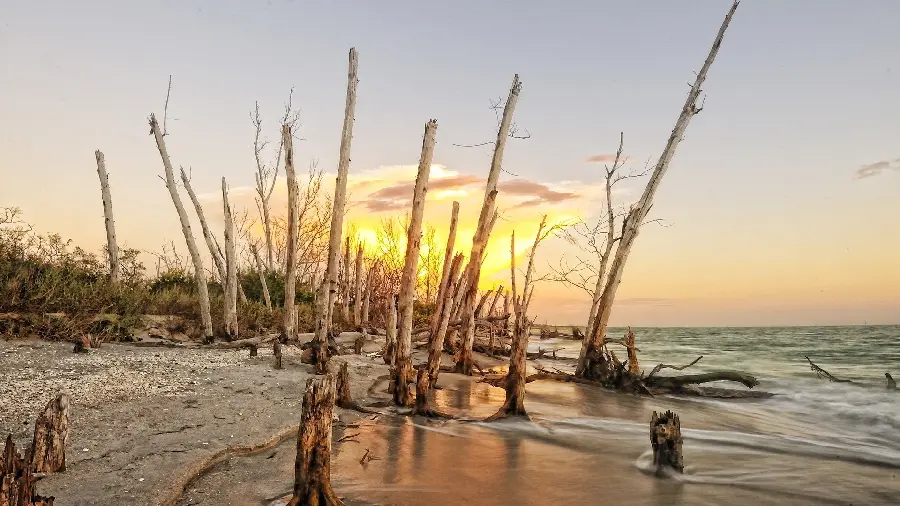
[
  {"x": 891, "y": 384},
  {"x": 17, "y": 479},
  {"x": 51, "y": 433},
  {"x": 312, "y": 468},
  {"x": 276, "y": 350},
  {"x": 666, "y": 442},
  {"x": 822, "y": 373}
]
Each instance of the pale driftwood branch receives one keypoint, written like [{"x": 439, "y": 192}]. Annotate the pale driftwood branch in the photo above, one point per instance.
[{"x": 660, "y": 367}]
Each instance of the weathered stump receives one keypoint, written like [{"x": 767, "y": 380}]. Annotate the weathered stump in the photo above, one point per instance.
[
  {"x": 17, "y": 480},
  {"x": 665, "y": 439},
  {"x": 359, "y": 342},
  {"x": 891, "y": 384},
  {"x": 51, "y": 432},
  {"x": 276, "y": 349},
  {"x": 343, "y": 388},
  {"x": 312, "y": 469},
  {"x": 254, "y": 350}
]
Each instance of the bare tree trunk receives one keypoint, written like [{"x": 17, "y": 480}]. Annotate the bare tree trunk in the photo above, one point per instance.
[
  {"x": 260, "y": 268},
  {"x": 436, "y": 342},
  {"x": 111, "y": 244},
  {"x": 358, "y": 288},
  {"x": 270, "y": 248},
  {"x": 367, "y": 296},
  {"x": 323, "y": 323},
  {"x": 230, "y": 281},
  {"x": 515, "y": 378},
  {"x": 312, "y": 469},
  {"x": 481, "y": 302},
  {"x": 403, "y": 366},
  {"x": 591, "y": 348},
  {"x": 345, "y": 283},
  {"x": 485, "y": 221},
  {"x": 199, "y": 272},
  {"x": 494, "y": 301},
  {"x": 51, "y": 433},
  {"x": 390, "y": 339},
  {"x": 214, "y": 250},
  {"x": 293, "y": 228},
  {"x": 439, "y": 306}
]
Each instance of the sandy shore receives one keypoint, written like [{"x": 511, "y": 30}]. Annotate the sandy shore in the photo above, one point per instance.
[{"x": 145, "y": 420}]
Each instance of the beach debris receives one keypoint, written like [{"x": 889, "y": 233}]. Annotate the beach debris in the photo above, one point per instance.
[
  {"x": 368, "y": 457},
  {"x": 312, "y": 468},
  {"x": 51, "y": 433},
  {"x": 276, "y": 349},
  {"x": 822, "y": 373},
  {"x": 17, "y": 479},
  {"x": 891, "y": 384},
  {"x": 666, "y": 442}
]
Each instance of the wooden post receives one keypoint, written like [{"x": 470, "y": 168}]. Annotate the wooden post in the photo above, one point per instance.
[
  {"x": 439, "y": 306},
  {"x": 403, "y": 364},
  {"x": 230, "y": 281},
  {"x": 276, "y": 350},
  {"x": 312, "y": 468},
  {"x": 344, "y": 400},
  {"x": 261, "y": 270},
  {"x": 436, "y": 341},
  {"x": 358, "y": 288},
  {"x": 293, "y": 225},
  {"x": 479, "y": 241},
  {"x": 590, "y": 355},
  {"x": 51, "y": 433},
  {"x": 390, "y": 340},
  {"x": 665, "y": 440},
  {"x": 199, "y": 272},
  {"x": 111, "y": 244},
  {"x": 323, "y": 323}
]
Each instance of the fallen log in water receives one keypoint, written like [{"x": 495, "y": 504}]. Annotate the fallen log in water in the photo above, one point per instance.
[
  {"x": 666, "y": 442},
  {"x": 822, "y": 373}
]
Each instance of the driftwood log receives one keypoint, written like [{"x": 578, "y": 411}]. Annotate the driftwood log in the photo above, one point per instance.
[
  {"x": 17, "y": 479},
  {"x": 312, "y": 468},
  {"x": 665, "y": 440}
]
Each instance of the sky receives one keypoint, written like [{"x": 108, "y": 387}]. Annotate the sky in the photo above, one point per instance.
[{"x": 780, "y": 207}]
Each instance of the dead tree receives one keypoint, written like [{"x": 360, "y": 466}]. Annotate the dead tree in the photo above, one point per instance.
[
  {"x": 230, "y": 282},
  {"x": 403, "y": 364},
  {"x": 261, "y": 270},
  {"x": 51, "y": 434},
  {"x": 312, "y": 468},
  {"x": 390, "y": 339},
  {"x": 482, "y": 232},
  {"x": 111, "y": 244},
  {"x": 358, "y": 288},
  {"x": 293, "y": 229},
  {"x": 345, "y": 282},
  {"x": 329, "y": 281},
  {"x": 446, "y": 279},
  {"x": 515, "y": 378},
  {"x": 436, "y": 341},
  {"x": 17, "y": 479},
  {"x": 592, "y": 362},
  {"x": 199, "y": 272},
  {"x": 665, "y": 440}
]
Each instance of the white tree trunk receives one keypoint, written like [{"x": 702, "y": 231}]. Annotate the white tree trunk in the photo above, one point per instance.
[
  {"x": 214, "y": 250},
  {"x": 595, "y": 336},
  {"x": 482, "y": 233},
  {"x": 111, "y": 244},
  {"x": 436, "y": 342},
  {"x": 230, "y": 282},
  {"x": 390, "y": 338},
  {"x": 260, "y": 268},
  {"x": 439, "y": 305},
  {"x": 358, "y": 288},
  {"x": 345, "y": 283},
  {"x": 293, "y": 225},
  {"x": 403, "y": 367},
  {"x": 199, "y": 273},
  {"x": 323, "y": 322}
]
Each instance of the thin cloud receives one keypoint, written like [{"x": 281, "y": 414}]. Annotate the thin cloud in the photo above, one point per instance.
[
  {"x": 874, "y": 169},
  {"x": 537, "y": 193},
  {"x": 601, "y": 158},
  {"x": 399, "y": 195}
]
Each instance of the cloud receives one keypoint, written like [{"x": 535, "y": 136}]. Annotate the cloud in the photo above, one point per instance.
[
  {"x": 602, "y": 158},
  {"x": 874, "y": 169},
  {"x": 538, "y": 193},
  {"x": 645, "y": 301},
  {"x": 397, "y": 196}
]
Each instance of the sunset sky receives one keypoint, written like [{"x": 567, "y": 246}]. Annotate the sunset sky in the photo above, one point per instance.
[{"x": 781, "y": 206}]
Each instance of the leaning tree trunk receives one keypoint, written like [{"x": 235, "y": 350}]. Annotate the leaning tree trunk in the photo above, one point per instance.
[
  {"x": 312, "y": 468},
  {"x": 358, "y": 288},
  {"x": 590, "y": 363},
  {"x": 264, "y": 286},
  {"x": 199, "y": 272},
  {"x": 293, "y": 227},
  {"x": 479, "y": 241},
  {"x": 390, "y": 339},
  {"x": 230, "y": 281},
  {"x": 436, "y": 341},
  {"x": 111, "y": 244},
  {"x": 51, "y": 434},
  {"x": 403, "y": 366},
  {"x": 207, "y": 235},
  {"x": 439, "y": 306},
  {"x": 323, "y": 323}
]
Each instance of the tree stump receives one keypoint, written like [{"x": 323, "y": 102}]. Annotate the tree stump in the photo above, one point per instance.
[
  {"x": 276, "y": 349},
  {"x": 312, "y": 469},
  {"x": 51, "y": 432},
  {"x": 253, "y": 350},
  {"x": 343, "y": 388},
  {"x": 17, "y": 481},
  {"x": 359, "y": 342},
  {"x": 891, "y": 384},
  {"x": 665, "y": 439}
]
